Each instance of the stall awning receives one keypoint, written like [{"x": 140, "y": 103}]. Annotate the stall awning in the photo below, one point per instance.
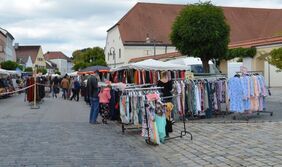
[
  {"x": 151, "y": 64},
  {"x": 92, "y": 69},
  {"x": 4, "y": 72}
]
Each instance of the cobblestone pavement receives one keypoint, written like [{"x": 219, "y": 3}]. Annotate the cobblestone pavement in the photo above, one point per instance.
[
  {"x": 58, "y": 134},
  {"x": 236, "y": 144},
  {"x": 273, "y": 104}
]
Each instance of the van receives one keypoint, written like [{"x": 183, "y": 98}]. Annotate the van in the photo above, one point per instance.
[{"x": 195, "y": 65}]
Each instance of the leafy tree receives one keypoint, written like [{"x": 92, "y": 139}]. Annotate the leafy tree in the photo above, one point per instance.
[
  {"x": 42, "y": 70},
  {"x": 88, "y": 57},
  {"x": 9, "y": 65},
  {"x": 28, "y": 69},
  {"x": 58, "y": 72},
  {"x": 275, "y": 58},
  {"x": 201, "y": 31},
  {"x": 241, "y": 53}
]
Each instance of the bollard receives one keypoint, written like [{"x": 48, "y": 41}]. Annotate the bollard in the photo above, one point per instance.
[{"x": 34, "y": 90}]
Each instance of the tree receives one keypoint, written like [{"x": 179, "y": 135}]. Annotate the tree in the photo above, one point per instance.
[
  {"x": 58, "y": 72},
  {"x": 10, "y": 65},
  {"x": 28, "y": 69},
  {"x": 88, "y": 57},
  {"x": 275, "y": 58},
  {"x": 42, "y": 70},
  {"x": 201, "y": 31}
]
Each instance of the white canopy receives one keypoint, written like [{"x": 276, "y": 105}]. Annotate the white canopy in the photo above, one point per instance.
[
  {"x": 4, "y": 72},
  {"x": 72, "y": 74},
  {"x": 14, "y": 72},
  {"x": 151, "y": 64}
]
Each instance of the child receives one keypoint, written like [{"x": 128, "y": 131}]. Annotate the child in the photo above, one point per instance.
[{"x": 104, "y": 99}]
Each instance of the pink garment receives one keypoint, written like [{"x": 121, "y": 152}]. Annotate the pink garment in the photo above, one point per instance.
[
  {"x": 105, "y": 95},
  {"x": 153, "y": 97}
]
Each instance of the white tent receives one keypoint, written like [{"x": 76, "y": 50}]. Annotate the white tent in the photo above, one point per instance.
[
  {"x": 151, "y": 64},
  {"x": 14, "y": 72},
  {"x": 4, "y": 72},
  {"x": 73, "y": 74}
]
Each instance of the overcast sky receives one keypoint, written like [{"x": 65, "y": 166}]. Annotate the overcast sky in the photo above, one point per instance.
[{"x": 67, "y": 25}]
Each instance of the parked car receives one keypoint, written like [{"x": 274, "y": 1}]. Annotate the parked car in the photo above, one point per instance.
[{"x": 195, "y": 65}]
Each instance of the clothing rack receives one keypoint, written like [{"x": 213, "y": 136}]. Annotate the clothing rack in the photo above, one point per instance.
[
  {"x": 137, "y": 89},
  {"x": 136, "y": 86},
  {"x": 141, "y": 89},
  {"x": 253, "y": 73},
  {"x": 184, "y": 131}
]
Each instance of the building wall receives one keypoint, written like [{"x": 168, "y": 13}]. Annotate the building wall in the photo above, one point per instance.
[
  {"x": 141, "y": 51},
  {"x": 62, "y": 65},
  {"x": 2, "y": 47},
  {"x": 69, "y": 68},
  {"x": 10, "y": 50},
  {"x": 114, "y": 43},
  {"x": 125, "y": 53},
  {"x": 259, "y": 63},
  {"x": 40, "y": 60}
]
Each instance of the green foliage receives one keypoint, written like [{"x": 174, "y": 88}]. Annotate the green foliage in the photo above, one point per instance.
[
  {"x": 88, "y": 57},
  {"x": 57, "y": 72},
  {"x": 42, "y": 70},
  {"x": 275, "y": 58},
  {"x": 28, "y": 69},
  {"x": 240, "y": 59},
  {"x": 9, "y": 65},
  {"x": 21, "y": 67},
  {"x": 241, "y": 53},
  {"x": 201, "y": 31}
]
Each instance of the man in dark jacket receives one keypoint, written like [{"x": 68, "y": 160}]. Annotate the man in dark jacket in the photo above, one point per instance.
[{"x": 93, "y": 91}]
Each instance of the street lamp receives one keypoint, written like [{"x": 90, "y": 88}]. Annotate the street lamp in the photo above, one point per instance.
[{"x": 113, "y": 53}]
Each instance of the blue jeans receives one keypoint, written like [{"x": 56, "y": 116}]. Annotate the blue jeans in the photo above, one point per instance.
[
  {"x": 65, "y": 92},
  {"x": 94, "y": 109}
]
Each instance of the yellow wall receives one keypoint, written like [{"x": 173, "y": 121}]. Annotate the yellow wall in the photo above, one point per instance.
[
  {"x": 40, "y": 60},
  {"x": 223, "y": 66}
]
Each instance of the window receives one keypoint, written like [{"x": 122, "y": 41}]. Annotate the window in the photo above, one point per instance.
[
  {"x": 40, "y": 59},
  {"x": 119, "y": 53}
]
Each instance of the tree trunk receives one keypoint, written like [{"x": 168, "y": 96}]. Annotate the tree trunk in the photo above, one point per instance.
[{"x": 206, "y": 66}]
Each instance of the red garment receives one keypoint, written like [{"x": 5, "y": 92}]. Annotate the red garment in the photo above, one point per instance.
[
  {"x": 136, "y": 77},
  {"x": 115, "y": 77},
  {"x": 151, "y": 77}
]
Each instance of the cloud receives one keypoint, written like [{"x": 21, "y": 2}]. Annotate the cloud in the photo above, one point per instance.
[{"x": 68, "y": 25}]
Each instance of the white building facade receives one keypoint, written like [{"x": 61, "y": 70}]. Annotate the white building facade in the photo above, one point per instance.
[{"x": 119, "y": 53}]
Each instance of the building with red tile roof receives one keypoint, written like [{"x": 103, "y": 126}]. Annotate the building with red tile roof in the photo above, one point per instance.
[
  {"x": 63, "y": 62},
  {"x": 30, "y": 56},
  {"x": 145, "y": 29}
]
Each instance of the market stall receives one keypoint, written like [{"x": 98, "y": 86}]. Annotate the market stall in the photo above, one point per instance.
[
  {"x": 147, "y": 71},
  {"x": 92, "y": 69}
]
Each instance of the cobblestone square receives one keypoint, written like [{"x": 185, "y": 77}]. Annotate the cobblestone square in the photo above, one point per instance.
[{"x": 58, "y": 134}]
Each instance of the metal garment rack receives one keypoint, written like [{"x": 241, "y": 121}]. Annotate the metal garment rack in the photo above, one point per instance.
[
  {"x": 184, "y": 132},
  {"x": 254, "y": 73},
  {"x": 123, "y": 128}
]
